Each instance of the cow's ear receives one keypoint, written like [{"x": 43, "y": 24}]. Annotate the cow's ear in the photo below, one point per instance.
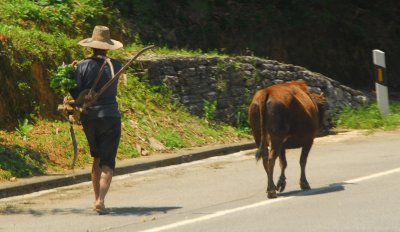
[
  {"x": 322, "y": 95},
  {"x": 319, "y": 98}
]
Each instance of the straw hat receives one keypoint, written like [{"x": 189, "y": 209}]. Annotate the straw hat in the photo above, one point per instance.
[{"x": 101, "y": 39}]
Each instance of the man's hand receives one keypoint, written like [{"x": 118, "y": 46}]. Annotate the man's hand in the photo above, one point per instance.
[
  {"x": 68, "y": 100},
  {"x": 71, "y": 118},
  {"x": 69, "y": 110},
  {"x": 75, "y": 63}
]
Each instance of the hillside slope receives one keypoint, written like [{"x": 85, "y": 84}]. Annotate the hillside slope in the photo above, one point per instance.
[{"x": 38, "y": 36}]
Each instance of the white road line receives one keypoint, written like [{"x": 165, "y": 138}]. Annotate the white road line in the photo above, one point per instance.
[
  {"x": 376, "y": 175},
  {"x": 217, "y": 214},
  {"x": 258, "y": 204}
]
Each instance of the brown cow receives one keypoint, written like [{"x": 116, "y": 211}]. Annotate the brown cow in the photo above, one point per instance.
[{"x": 284, "y": 116}]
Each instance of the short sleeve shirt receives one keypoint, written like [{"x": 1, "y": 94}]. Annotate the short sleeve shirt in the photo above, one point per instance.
[{"x": 85, "y": 75}]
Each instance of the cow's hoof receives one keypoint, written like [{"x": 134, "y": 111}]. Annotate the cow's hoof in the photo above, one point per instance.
[
  {"x": 304, "y": 185},
  {"x": 281, "y": 184},
  {"x": 272, "y": 194}
]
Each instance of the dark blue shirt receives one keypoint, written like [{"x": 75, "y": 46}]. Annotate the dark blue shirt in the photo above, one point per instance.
[{"x": 86, "y": 74}]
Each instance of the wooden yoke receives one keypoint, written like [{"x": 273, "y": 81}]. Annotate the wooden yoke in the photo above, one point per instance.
[{"x": 88, "y": 98}]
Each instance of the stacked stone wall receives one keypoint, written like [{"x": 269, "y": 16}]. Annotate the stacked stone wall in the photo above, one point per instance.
[{"x": 232, "y": 81}]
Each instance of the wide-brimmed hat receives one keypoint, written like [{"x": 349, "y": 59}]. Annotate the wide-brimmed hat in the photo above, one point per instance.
[{"x": 101, "y": 39}]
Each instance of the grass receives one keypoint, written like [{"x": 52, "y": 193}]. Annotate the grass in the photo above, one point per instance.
[
  {"x": 28, "y": 45},
  {"x": 54, "y": 16},
  {"x": 369, "y": 117},
  {"x": 137, "y": 45},
  {"x": 17, "y": 160}
]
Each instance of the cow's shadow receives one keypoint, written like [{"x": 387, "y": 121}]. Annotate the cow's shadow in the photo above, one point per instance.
[{"x": 335, "y": 187}]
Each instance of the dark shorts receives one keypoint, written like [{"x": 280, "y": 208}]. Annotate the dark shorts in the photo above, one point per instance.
[{"x": 103, "y": 135}]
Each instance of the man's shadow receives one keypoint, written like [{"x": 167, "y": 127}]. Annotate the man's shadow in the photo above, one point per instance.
[
  {"x": 115, "y": 211},
  {"x": 140, "y": 211}
]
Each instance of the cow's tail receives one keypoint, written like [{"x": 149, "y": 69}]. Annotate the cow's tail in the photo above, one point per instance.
[{"x": 258, "y": 123}]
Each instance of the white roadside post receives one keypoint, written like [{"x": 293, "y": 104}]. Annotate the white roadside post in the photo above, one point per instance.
[{"x": 382, "y": 95}]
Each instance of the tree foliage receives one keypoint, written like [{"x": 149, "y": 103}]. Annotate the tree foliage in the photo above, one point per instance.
[{"x": 334, "y": 37}]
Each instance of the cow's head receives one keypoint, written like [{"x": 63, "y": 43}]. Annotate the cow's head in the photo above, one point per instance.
[{"x": 320, "y": 102}]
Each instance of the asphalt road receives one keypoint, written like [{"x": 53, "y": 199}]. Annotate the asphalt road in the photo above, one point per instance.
[{"x": 354, "y": 180}]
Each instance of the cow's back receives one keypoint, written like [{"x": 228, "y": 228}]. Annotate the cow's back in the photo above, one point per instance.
[{"x": 290, "y": 113}]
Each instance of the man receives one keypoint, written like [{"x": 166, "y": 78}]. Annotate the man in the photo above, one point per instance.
[{"x": 102, "y": 121}]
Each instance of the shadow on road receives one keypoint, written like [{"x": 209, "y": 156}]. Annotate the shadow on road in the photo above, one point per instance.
[
  {"x": 140, "y": 211},
  {"x": 114, "y": 211},
  {"x": 336, "y": 187}
]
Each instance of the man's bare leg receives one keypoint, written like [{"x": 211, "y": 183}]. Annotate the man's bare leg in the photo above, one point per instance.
[
  {"x": 104, "y": 184},
  {"x": 101, "y": 180},
  {"x": 96, "y": 173}
]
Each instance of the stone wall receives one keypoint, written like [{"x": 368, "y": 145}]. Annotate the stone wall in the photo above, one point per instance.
[{"x": 232, "y": 81}]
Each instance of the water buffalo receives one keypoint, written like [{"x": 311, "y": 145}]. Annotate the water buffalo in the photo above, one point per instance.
[{"x": 284, "y": 116}]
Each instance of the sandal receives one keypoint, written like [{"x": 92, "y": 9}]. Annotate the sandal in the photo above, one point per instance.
[{"x": 101, "y": 210}]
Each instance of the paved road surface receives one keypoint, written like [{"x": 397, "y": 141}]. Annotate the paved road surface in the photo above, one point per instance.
[{"x": 355, "y": 183}]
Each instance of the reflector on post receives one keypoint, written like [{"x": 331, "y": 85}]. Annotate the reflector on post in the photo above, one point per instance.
[{"x": 382, "y": 95}]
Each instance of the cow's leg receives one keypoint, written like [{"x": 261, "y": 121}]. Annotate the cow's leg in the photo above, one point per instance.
[
  {"x": 269, "y": 168},
  {"x": 303, "y": 161},
  {"x": 282, "y": 179},
  {"x": 269, "y": 163}
]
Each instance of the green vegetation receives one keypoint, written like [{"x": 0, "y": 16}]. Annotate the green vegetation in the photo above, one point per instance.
[
  {"x": 170, "y": 137},
  {"x": 137, "y": 45},
  {"x": 69, "y": 17},
  {"x": 209, "y": 110},
  {"x": 26, "y": 45},
  {"x": 23, "y": 129},
  {"x": 64, "y": 79},
  {"x": 369, "y": 117},
  {"x": 18, "y": 161},
  {"x": 241, "y": 122}
]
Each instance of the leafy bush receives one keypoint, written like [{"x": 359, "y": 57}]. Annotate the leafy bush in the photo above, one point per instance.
[
  {"x": 209, "y": 110},
  {"x": 73, "y": 18},
  {"x": 24, "y": 46},
  {"x": 23, "y": 128},
  {"x": 64, "y": 80}
]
